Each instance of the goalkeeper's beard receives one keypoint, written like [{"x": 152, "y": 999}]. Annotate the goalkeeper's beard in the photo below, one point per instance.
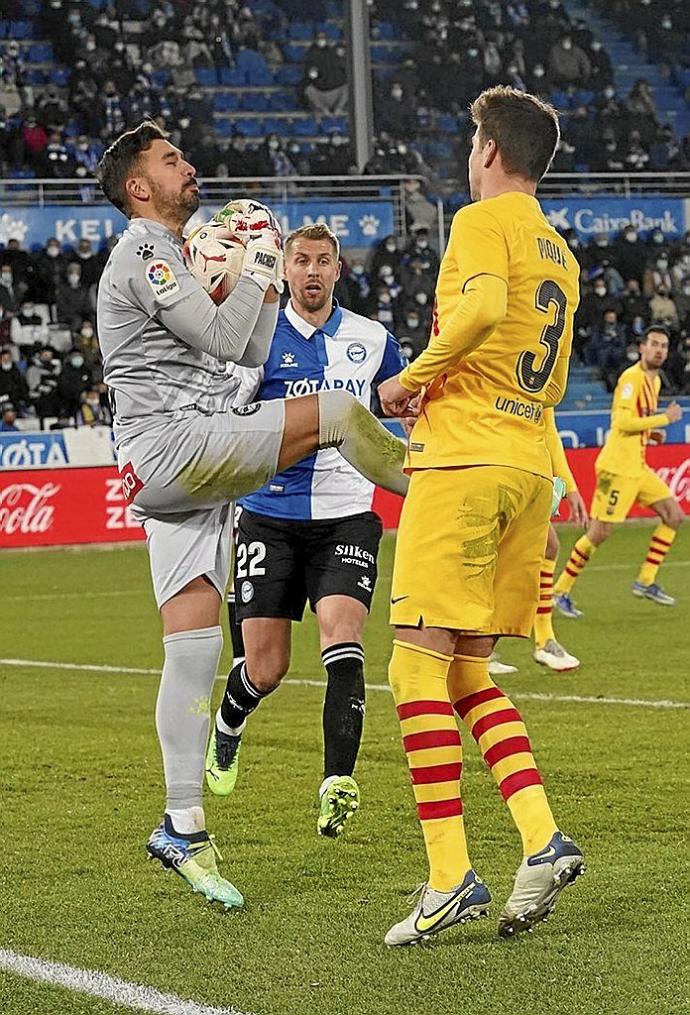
[{"x": 179, "y": 208}]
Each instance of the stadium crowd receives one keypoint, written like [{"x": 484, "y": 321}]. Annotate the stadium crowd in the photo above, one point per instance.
[
  {"x": 108, "y": 66},
  {"x": 50, "y": 365}
]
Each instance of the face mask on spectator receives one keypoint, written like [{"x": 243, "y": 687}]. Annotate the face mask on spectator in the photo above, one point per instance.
[
  {"x": 6, "y": 278},
  {"x": 538, "y": 72},
  {"x": 321, "y": 42},
  {"x": 87, "y": 331},
  {"x": 357, "y": 269},
  {"x": 600, "y": 290},
  {"x": 77, "y": 361},
  {"x": 657, "y": 237},
  {"x": 567, "y": 44},
  {"x": 273, "y": 145},
  {"x": 396, "y": 93},
  {"x": 73, "y": 279},
  {"x": 421, "y": 298},
  {"x": 52, "y": 250},
  {"x": 596, "y": 46},
  {"x": 412, "y": 322},
  {"x": 473, "y": 53},
  {"x": 27, "y": 309},
  {"x": 390, "y": 246},
  {"x": 609, "y": 93},
  {"x": 630, "y": 235},
  {"x": 384, "y": 298},
  {"x": 6, "y": 363},
  {"x": 662, "y": 263}
]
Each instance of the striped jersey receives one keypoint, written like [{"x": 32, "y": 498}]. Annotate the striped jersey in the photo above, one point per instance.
[
  {"x": 349, "y": 352},
  {"x": 633, "y": 415}
]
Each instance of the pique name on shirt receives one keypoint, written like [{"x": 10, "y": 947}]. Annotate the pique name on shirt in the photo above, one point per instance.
[
  {"x": 548, "y": 250},
  {"x": 311, "y": 385}
]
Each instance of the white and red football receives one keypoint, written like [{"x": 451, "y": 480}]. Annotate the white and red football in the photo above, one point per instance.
[{"x": 215, "y": 258}]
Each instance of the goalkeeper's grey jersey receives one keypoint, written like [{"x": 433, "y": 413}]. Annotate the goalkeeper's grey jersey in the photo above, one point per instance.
[{"x": 165, "y": 344}]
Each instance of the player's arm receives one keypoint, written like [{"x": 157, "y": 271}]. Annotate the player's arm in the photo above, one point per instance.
[
  {"x": 259, "y": 344},
  {"x": 628, "y": 419},
  {"x": 478, "y": 246}
]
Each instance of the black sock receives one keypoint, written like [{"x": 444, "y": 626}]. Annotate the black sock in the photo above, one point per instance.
[
  {"x": 240, "y": 698},
  {"x": 235, "y": 630},
  {"x": 343, "y": 707}
]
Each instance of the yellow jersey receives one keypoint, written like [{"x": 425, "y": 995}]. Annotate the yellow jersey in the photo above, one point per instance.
[
  {"x": 633, "y": 415},
  {"x": 486, "y": 404},
  {"x": 554, "y": 445}
]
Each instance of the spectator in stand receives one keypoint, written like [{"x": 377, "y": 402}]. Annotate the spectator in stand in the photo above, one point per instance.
[
  {"x": 28, "y": 327},
  {"x": 411, "y": 332},
  {"x": 568, "y": 64},
  {"x": 272, "y": 159},
  {"x": 51, "y": 109},
  {"x": 680, "y": 272},
  {"x": 601, "y": 73},
  {"x": 666, "y": 152},
  {"x": 387, "y": 277},
  {"x": 325, "y": 78},
  {"x": 10, "y": 292},
  {"x": 13, "y": 387},
  {"x": 634, "y": 304},
  {"x": 35, "y": 139},
  {"x": 42, "y": 378},
  {"x": 72, "y": 300},
  {"x": 657, "y": 273},
  {"x": 56, "y": 159},
  {"x": 93, "y": 411},
  {"x": 91, "y": 264},
  {"x": 679, "y": 365},
  {"x": 419, "y": 246},
  {"x": 589, "y": 316},
  {"x": 682, "y": 301},
  {"x": 383, "y": 307},
  {"x": 606, "y": 348},
  {"x": 51, "y": 264},
  {"x": 637, "y": 156},
  {"x": 385, "y": 252},
  {"x": 577, "y": 130},
  {"x": 74, "y": 381},
  {"x": 360, "y": 287},
  {"x": 20, "y": 261},
  {"x": 10, "y": 98},
  {"x": 85, "y": 341},
  {"x": 394, "y": 111},
  {"x": 663, "y": 309},
  {"x": 599, "y": 252},
  {"x": 608, "y": 158},
  {"x": 642, "y": 110},
  {"x": 8, "y": 418},
  {"x": 86, "y": 154},
  {"x": 415, "y": 279},
  {"x": 419, "y": 211},
  {"x": 629, "y": 254}
]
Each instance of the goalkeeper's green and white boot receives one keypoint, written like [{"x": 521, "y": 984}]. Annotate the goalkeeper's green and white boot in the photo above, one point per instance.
[
  {"x": 193, "y": 857},
  {"x": 222, "y": 761},
  {"x": 339, "y": 801}
]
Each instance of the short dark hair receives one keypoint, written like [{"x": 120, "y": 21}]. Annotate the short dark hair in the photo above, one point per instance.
[
  {"x": 654, "y": 329},
  {"x": 119, "y": 160},
  {"x": 524, "y": 127}
]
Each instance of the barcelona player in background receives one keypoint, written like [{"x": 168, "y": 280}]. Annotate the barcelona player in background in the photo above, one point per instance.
[
  {"x": 623, "y": 476},
  {"x": 474, "y": 525}
]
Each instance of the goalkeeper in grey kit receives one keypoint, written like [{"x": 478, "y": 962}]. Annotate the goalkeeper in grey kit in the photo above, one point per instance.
[{"x": 185, "y": 453}]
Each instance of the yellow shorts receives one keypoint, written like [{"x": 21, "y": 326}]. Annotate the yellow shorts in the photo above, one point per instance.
[
  {"x": 469, "y": 550},
  {"x": 615, "y": 495}
]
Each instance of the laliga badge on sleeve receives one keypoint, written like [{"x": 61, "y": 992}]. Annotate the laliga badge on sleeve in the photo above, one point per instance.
[{"x": 161, "y": 278}]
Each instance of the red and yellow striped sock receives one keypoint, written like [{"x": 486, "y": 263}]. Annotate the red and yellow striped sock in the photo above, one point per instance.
[
  {"x": 434, "y": 753},
  {"x": 543, "y": 621},
  {"x": 660, "y": 544},
  {"x": 579, "y": 555},
  {"x": 498, "y": 728}
]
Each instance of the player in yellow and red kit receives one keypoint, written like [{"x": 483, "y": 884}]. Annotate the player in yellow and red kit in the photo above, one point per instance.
[
  {"x": 624, "y": 477},
  {"x": 475, "y": 521}
]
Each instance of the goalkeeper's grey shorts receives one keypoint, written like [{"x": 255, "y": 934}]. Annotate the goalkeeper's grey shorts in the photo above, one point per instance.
[{"x": 180, "y": 479}]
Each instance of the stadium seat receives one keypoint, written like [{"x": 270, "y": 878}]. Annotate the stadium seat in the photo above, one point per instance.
[
  {"x": 30, "y": 8},
  {"x": 206, "y": 76},
  {"x": 333, "y": 125},
  {"x": 20, "y": 30},
  {"x": 231, "y": 77},
  {"x": 226, "y": 102},
  {"x": 40, "y": 52},
  {"x": 256, "y": 102},
  {"x": 305, "y": 127},
  {"x": 288, "y": 75},
  {"x": 59, "y": 76},
  {"x": 34, "y": 76},
  {"x": 282, "y": 102},
  {"x": 161, "y": 77},
  {"x": 250, "y": 127},
  {"x": 4, "y": 29},
  {"x": 301, "y": 30}
]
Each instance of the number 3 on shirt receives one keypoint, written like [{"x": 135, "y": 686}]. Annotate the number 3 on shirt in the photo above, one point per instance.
[{"x": 530, "y": 377}]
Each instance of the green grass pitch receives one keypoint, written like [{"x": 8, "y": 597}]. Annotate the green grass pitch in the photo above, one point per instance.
[{"x": 81, "y": 790}]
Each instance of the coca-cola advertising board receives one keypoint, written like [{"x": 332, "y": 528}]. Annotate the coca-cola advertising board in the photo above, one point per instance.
[{"x": 60, "y": 507}]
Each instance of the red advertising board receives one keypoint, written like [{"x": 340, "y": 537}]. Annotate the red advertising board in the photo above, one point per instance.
[{"x": 59, "y": 507}]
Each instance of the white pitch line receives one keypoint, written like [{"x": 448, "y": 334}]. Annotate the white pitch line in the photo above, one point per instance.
[
  {"x": 300, "y": 682},
  {"x": 109, "y": 988}
]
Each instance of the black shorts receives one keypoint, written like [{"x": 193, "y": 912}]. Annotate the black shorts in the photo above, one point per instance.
[{"x": 280, "y": 564}]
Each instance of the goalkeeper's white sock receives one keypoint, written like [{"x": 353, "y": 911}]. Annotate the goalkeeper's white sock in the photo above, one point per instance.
[{"x": 364, "y": 442}]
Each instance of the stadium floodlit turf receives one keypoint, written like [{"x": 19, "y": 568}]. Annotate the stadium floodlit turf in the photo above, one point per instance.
[{"x": 81, "y": 792}]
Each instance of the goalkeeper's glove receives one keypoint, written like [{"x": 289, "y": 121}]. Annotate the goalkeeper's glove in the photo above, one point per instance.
[{"x": 257, "y": 227}]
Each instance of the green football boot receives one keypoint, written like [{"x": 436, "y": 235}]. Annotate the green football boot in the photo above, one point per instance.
[
  {"x": 222, "y": 761},
  {"x": 338, "y": 803},
  {"x": 193, "y": 857}
]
